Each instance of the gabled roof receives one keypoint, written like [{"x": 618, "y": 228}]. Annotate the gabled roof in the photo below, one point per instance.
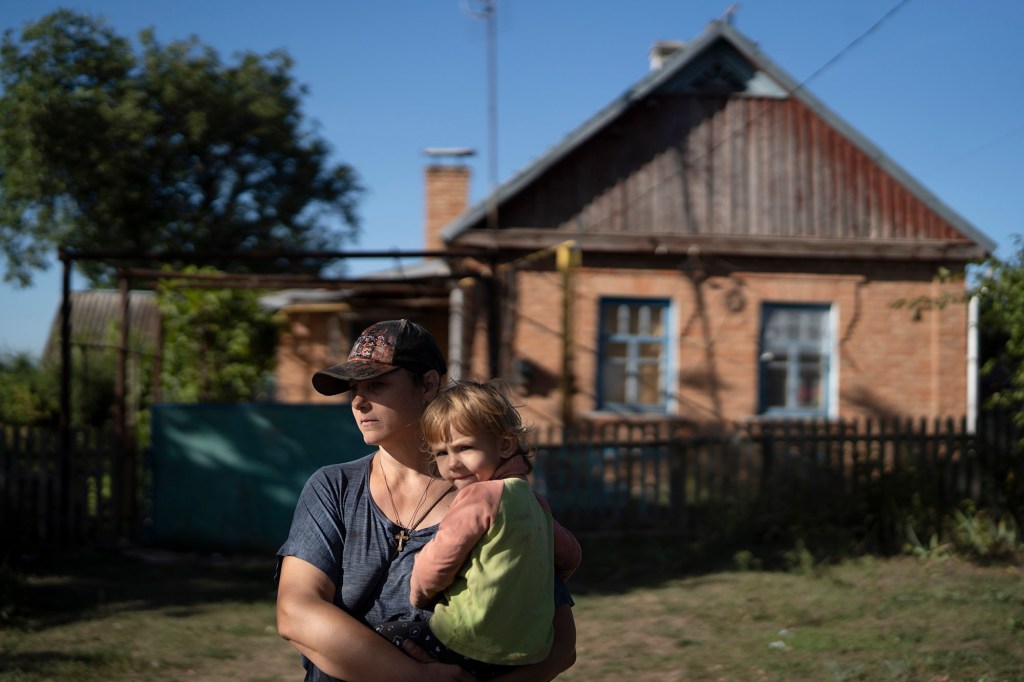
[{"x": 768, "y": 80}]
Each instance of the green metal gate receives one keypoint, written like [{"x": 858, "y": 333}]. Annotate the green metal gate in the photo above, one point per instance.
[{"x": 226, "y": 478}]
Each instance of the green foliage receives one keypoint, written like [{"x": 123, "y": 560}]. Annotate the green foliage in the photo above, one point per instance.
[
  {"x": 159, "y": 148},
  {"x": 219, "y": 345},
  {"x": 922, "y": 304},
  {"x": 985, "y": 536},
  {"x": 933, "y": 549},
  {"x": 30, "y": 390},
  {"x": 92, "y": 386},
  {"x": 800, "y": 559},
  {"x": 27, "y": 396},
  {"x": 1001, "y": 318}
]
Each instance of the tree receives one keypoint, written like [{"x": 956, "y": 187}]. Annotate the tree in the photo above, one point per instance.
[
  {"x": 163, "y": 148},
  {"x": 205, "y": 358},
  {"x": 1001, "y": 296},
  {"x": 27, "y": 397},
  {"x": 30, "y": 387}
]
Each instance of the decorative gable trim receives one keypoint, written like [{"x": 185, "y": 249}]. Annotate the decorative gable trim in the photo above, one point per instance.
[{"x": 721, "y": 70}]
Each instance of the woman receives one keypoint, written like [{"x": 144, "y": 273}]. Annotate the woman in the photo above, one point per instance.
[{"x": 346, "y": 563}]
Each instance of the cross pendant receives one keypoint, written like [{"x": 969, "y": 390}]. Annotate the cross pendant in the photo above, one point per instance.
[{"x": 401, "y": 538}]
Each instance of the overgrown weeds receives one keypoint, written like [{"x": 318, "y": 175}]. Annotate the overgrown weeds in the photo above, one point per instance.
[{"x": 984, "y": 536}]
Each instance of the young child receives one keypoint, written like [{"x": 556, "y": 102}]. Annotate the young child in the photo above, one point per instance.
[{"x": 489, "y": 572}]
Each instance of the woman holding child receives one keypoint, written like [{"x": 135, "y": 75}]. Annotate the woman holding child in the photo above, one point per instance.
[{"x": 358, "y": 526}]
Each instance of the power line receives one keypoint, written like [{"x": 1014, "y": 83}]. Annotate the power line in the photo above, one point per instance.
[
  {"x": 994, "y": 141},
  {"x": 839, "y": 55}
]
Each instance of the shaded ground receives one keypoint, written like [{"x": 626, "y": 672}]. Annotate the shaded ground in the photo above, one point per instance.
[
  {"x": 643, "y": 613},
  {"x": 117, "y": 616}
]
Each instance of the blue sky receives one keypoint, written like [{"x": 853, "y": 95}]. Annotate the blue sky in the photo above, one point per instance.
[{"x": 937, "y": 85}]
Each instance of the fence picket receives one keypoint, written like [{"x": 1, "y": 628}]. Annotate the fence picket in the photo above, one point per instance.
[
  {"x": 656, "y": 473},
  {"x": 608, "y": 476}
]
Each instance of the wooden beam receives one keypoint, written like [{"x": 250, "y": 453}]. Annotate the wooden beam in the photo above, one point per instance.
[{"x": 512, "y": 241}]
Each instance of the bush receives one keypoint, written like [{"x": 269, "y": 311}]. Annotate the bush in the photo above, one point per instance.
[{"x": 984, "y": 535}]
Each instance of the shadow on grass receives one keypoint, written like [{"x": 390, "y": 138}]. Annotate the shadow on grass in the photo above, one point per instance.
[
  {"x": 613, "y": 565},
  {"x": 49, "y": 590},
  {"x": 622, "y": 563},
  {"x": 48, "y": 663}
]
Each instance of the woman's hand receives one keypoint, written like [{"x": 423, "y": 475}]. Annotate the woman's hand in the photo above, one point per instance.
[
  {"x": 434, "y": 670},
  {"x": 414, "y": 650},
  {"x": 441, "y": 672}
]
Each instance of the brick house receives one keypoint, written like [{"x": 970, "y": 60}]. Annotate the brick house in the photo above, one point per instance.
[{"x": 714, "y": 245}]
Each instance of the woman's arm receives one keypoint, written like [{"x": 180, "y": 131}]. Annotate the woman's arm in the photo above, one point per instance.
[
  {"x": 337, "y": 643},
  {"x": 561, "y": 657}
]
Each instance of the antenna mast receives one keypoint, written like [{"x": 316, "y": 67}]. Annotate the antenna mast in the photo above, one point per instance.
[{"x": 487, "y": 12}]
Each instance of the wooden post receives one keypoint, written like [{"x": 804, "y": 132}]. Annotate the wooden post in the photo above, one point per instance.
[
  {"x": 567, "y": 259},
  {"x": 65, "y": 399},
  {"x": 124, "y": 488}
]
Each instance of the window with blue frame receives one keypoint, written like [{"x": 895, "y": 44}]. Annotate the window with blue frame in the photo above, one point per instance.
[
  {"x": 633, "y": 355},
  {"x": 795, "y": 359}
]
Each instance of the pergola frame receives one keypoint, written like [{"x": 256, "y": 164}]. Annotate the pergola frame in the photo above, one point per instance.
[{"x": 126, "y": 275}]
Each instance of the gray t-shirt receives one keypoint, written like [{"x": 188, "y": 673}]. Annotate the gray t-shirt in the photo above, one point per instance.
[{"x": 338, "y": 528}]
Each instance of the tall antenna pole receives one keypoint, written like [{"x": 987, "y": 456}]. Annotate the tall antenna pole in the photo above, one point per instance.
[
  {"x": 488, "y": 13},
  {"x": 498, "y": 324},
  {"x": 492, "y": 109}
]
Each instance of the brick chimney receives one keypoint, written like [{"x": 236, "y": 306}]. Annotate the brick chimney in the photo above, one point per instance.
[
  {"x": 662, "y": 51},
  {"x": 447, "y": 193}
]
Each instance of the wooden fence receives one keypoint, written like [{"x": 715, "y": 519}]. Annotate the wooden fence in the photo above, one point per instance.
[
  {"x": 675, "y": 477},
  {"x": 654, "y": 475},
  {"x": 48, "y": 499}
]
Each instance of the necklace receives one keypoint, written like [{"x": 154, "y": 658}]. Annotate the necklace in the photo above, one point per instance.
[{"x": 403, "y": 531}]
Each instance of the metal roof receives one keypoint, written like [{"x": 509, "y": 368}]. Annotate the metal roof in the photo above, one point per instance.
[
  {"x": 96, "y": 319},
  {"x": 417, "y": 271}
]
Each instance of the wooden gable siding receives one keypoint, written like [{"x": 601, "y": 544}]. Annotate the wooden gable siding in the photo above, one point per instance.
[{"x": 757, "y": 167}]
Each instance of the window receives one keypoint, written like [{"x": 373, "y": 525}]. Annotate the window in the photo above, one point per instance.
[
  {"x": 633, "y": 355},
  {"x": 796, "y": 359}
]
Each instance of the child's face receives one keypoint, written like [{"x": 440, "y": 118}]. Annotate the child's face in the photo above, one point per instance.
[{"x": 464, "y": 459}]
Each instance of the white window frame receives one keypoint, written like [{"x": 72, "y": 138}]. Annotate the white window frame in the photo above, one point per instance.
[
  {"x": 633, "y": 360},
  {"x": 825, "y": 346}
]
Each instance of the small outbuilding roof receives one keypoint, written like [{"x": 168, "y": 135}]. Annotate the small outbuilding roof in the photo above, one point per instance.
[{"x": 96, "y": 318}]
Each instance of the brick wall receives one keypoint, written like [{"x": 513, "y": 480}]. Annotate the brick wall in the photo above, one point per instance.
[
  {"x": 312, "y": 341},
  {"x": 889, "y": 361},
  {"x": 447, "y": 195}
]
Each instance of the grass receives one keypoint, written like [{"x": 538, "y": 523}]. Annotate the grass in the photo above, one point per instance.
[
  {"x": 898, "y": 618},
  {"x": 642, "y": 613},
  {"x": 114, "y": 617}
]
